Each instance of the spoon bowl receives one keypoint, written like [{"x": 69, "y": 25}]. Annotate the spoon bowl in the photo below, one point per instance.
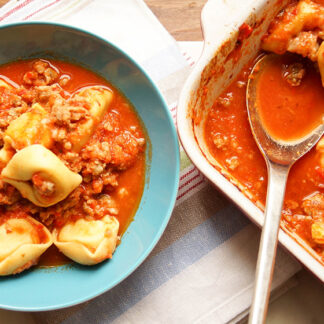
[
  {"x": 279, "y": 155},
  {"x": 277, "y": 150}
]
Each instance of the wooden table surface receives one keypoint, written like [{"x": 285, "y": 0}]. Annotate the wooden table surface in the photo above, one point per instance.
[{"x": 180, "y": 17}]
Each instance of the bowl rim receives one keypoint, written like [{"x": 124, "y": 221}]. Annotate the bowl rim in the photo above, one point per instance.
[{"x": 172, "y": 202}]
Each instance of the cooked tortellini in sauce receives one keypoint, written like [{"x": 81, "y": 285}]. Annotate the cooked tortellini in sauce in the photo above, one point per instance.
[
  {"x": 72, "y": 162},
  {"x": 98, "y": 100},
  {"x": 22, "y": 242},
  {"x": 32, "y": 127},
  {"x": 317, "y": 232},
  {"x": 320, "y": 61},
  {"x": 40, "y": 176},
  {"x": 88, "y": 241},
  {"x": 299, "y": 28}
]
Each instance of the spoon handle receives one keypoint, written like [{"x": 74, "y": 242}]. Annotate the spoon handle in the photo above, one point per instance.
[{"x": 277, "y": 178}]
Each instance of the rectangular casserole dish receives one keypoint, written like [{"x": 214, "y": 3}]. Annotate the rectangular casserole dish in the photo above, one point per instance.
[{"x": 218, "y": 65}]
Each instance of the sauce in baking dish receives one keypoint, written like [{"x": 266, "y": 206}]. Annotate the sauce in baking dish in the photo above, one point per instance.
[{"x": 286, "y": 109}]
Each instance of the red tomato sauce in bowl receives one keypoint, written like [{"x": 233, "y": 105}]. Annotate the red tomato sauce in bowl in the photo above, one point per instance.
[{"x": 123, "y": 175}]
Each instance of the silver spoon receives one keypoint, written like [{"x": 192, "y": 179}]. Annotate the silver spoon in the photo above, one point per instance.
[{"x": 279, "y": 156}]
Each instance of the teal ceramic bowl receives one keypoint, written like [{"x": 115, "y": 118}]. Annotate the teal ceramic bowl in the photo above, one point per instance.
[{"x": 58, "y": 287}]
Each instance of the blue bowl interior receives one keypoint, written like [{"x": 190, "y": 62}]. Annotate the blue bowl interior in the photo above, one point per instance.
[{"x": 52, "y": 288}]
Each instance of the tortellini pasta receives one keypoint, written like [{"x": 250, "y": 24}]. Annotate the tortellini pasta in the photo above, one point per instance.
[
  {"x": 99, "y": 100},
  {"x": 22, "y": 242},
  {"x": 88, "y": 241},
  {"x": 320, "y": 61},
  {"x": 29, "y": 128},
  {"x": 317, "y": 231},
  {"x": 299, "y": 29},
  {"x": 55, "y": 180}
]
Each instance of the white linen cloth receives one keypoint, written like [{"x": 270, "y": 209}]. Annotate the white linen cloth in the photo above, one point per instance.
[{"x": 202, "y": 270}]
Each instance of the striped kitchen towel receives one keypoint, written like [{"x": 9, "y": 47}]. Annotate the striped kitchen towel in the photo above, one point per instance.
[{"x": 202, "y": 270}]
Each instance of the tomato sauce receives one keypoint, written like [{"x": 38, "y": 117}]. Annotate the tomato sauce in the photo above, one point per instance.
[
  {"x": 52, "y": 258},
  {"x": 79, "y": 77},
  {"x": 229, "y": 139},
  {"x": 289, "y": 112},
  {"x": 130, "y": 180}
]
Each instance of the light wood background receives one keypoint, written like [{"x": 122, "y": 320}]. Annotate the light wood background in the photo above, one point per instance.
[{"x": 180, "y": 17}]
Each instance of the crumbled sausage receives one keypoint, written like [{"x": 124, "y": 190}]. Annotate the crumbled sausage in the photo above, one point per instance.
[
  {"x": 232, "y": 162},
  {"x": 314, "y": 205},
  {"x": 42, "y": 74},
  {"x": 225, "y": 101},
  {"x": 220, "y": 140},
  {"x": 294, "y": 74},
  {"x": 43, "y": 186}
]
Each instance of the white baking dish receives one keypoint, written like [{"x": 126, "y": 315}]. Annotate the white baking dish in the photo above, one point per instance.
[{"x": 213, "y": 72}]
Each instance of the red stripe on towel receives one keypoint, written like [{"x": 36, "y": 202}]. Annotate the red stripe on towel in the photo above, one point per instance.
[
  {"x": 13, "y": 10},
  {"x": 191, "y": 188},
  {"x": 41, "y": 9},
  {"x": 189, "y": 181},
  {"x": 186, "y": 174}
]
